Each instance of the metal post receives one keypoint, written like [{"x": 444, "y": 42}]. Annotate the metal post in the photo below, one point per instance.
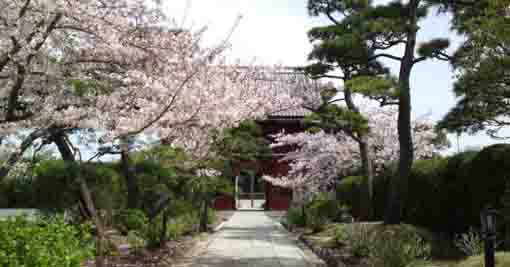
[
  {"x": 236, "y": 192},
  {"x": 489, "y": 251},
  {"x": 252, "y": 189},
  {"x": 488, "y": 222}
]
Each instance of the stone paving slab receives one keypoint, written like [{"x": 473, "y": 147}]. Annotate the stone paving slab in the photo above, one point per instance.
[{"x": 252, "y": 239}]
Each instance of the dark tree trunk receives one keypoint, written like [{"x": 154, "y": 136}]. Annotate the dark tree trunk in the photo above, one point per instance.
[
  {"x": 367, "y": 191},
  {"x": 86, "y": 197},
  {"x": 204, "y": 215},
  {"x": 67, "y": 155},
  {"x": 366, "y": 194},
  {"x": 62, "y": 146},
  {"x": 399, "y": 184},
  {"x": 162, "y": 237},
  {"x": 130, "y": 178}
]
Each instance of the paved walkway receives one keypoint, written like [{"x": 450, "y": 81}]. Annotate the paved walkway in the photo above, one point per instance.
[{"x": 251, "y": 239}]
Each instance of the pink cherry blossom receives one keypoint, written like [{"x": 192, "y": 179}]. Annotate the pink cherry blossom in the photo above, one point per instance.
[{"x": 322, "y": 158}]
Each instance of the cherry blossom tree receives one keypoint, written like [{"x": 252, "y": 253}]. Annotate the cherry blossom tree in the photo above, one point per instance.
[
  {"x": 119, "y": 68},
  {"x": 321, "y": 157},
  {"x": 49, "y": 79}
]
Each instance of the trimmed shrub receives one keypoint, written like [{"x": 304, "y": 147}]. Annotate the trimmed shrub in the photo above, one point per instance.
[
  {"x": 348, "y": 190},
  {"x": 43, "y": 243},
  {"x": 295, "y": 217},
  {"x": 176, "y": 227},
  {"x": 359, "y": 237},
  {"x": 322, "y": 210},
  {"x": 55, "y": 187},
  {"x": 398, "y": 246},
  {"x": 130, "y": 220},
  {"x": 211, "y": 216},
  {"x": 385, "y": 245},
  {"x": 445, "y": 194},
  {"x": 425, "y": 204}
]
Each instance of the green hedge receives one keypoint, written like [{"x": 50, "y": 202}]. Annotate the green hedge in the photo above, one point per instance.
[
  {"x": 51, "y": 184},
  {"x": 446, "y": 194},
  {"x": 349, "y": 190}
]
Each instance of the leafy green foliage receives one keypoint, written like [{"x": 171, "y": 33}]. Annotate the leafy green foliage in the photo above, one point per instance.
[
  {"x": 359, "y": 238},
  {"x": 176, "y": 227},
  {"x": 43, "y": 243},
  {"x": 447, "y": 192},
  {"x": 296, "y": 217},
  {"x": 483, "y": 62},
  {"x": 349, "y": 191},
  {"x": 334, "y": 118},
  {"x": 374, "y": 86},
  {"x": 162, "y": 170},
  {"x": 322, "y": 210},
  {"x": 211, "y": 216},
  {"x": 434, "y": 47},
  {"x": 398, "y": 246},
  {"x": 55, "y": 186},
  {"x": 385, "y": 245},
  {"x": 245, "y": 142},
  {"x": 127, "y": 220}
]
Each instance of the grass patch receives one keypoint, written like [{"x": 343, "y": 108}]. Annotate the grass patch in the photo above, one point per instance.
[
  {"x": 502, "y": 260},
  {"x": 438, "y": 263},
  {"x": 324, "y": 238},
  {"x": 329, "y": 237}
]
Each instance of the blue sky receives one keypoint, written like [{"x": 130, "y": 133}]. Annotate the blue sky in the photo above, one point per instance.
[{"x": 274, "y": 31}]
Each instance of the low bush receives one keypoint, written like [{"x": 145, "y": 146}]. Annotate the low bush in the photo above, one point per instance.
[
  {"x": 398, "y": 246},
  {"x": 176, "y": 227},
  {"x": 470, "y": 243},
  {"x": 130, "y": 220},
  {"x": 296, "y": 217},
  {"x": 43, "y": 243},
  {"x": 348, "y": 190},
  {"x": 211, "y": 216},
  {"x": 359, "y": 238},
  {"x": 385, "y": 245},
  {"x": 135, "y": 241},
  {"x": 322, "y": 210}
]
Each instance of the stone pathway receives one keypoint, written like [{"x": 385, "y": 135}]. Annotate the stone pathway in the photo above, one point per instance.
[{"x": 251, "y": 239}]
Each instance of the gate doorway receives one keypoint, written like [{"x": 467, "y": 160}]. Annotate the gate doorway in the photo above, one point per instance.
[{"x": 250, "y": 192}]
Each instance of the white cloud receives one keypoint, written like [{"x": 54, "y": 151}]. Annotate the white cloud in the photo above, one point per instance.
[{"x": 272, "y": 32}]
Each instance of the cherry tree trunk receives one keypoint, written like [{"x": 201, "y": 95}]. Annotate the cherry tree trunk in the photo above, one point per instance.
[
  {"x": 86, "y": 198},
  {"x": 130, "y": 178}
]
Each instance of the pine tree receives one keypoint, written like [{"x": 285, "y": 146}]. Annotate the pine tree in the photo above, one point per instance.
[{"x": 364, "y": 33}]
